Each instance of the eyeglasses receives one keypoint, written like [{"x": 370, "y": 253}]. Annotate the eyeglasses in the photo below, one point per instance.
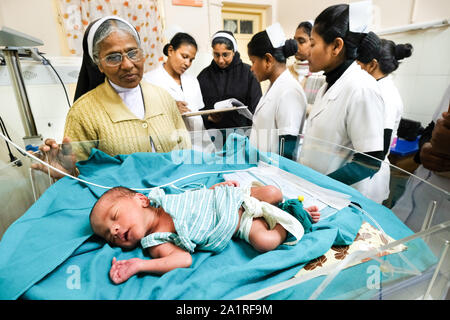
[
  {"x": 115, "y": 59},
  {"x": 224, "y": 54}
]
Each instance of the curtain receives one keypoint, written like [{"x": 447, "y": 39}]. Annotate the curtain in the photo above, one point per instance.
[{"x": 144, "y": 15}]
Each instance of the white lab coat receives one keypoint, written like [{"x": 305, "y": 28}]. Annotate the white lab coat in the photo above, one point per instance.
[
  {"x": 349, "y": 114},
  {"x": 422, "y": 188},
  {"x": 377, "y": 187},
  {"x": 190, "y": 92},
  {"x": 280, "y": 111},
  {"x": 393, "y": 104}
]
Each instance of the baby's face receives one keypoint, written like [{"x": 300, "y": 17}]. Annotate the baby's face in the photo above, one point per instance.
[{"x": 122, "y": 221}]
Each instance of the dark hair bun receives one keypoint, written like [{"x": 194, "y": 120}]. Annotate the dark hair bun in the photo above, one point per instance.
[
  {"x": 290, "y": 48},
  {"x": 403, "y": 51},
  {"x": 166, "y": 49},
  {"x": 370, "y": 48},
  {"x": 371, "y": 41}
]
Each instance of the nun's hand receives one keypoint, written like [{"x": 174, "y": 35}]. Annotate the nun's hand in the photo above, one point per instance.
[
  {"x": 182, "y": 107},
  {"x": 59, "y": 156}
]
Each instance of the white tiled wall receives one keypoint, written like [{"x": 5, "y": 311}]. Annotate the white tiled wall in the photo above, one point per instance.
[{"x": 423, "y": 78}]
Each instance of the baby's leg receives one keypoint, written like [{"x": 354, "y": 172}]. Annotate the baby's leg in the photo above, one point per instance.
[
  {"x": 269, "y": 194},
  {"x": 262, "y": 238}
]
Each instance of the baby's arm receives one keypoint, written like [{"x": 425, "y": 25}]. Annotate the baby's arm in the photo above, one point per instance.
[
  {"x": 166, "y": 257},
  {"x": 231, "y": 183}
]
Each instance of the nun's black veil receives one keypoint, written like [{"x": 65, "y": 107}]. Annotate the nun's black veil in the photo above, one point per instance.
[{"x": 90, "y": 76}]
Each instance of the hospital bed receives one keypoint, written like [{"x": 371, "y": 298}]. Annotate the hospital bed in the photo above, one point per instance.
[{"x": 359, "y": 249}]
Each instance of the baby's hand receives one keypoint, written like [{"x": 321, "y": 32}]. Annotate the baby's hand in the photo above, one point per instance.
[
  {"x": 230, "y": 183},
  {"x": 122, "y": 270},
  {"x": 314, "y": 213}
]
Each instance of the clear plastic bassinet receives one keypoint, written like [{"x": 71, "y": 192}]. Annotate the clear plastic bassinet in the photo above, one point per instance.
[{"x": 382, "y": 270}]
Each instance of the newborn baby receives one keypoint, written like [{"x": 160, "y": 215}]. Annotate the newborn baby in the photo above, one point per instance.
[{"x": 173, "y": 226}]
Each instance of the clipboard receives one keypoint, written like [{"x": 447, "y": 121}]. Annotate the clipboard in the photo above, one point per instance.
[{"x": 212, "y": 111}]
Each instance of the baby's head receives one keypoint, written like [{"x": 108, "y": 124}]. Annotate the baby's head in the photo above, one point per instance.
[{"x": 121, "y": 217}]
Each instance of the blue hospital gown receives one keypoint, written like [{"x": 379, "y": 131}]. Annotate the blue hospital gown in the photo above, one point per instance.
[{"x": 204, "y": 219}]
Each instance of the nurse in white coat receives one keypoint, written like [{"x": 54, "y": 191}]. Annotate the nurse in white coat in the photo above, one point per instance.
[
  {"x": 184, "y": 88},
  {"x": 280, "y": 113},
  {"x": 380, "y": 57},
  {"x": 348, "y": 109}
]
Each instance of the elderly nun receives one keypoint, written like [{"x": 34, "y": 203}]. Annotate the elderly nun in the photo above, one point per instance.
[{"x": 113, "y": 109}]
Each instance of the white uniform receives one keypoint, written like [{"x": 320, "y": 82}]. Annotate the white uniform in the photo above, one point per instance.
[
  {"x": 350, "y": 114},
  {"x": 377, "y": 187},
  {"x": 280, "y": 111},
  {"x": 393, "y": 104},
  {"x": 190, "y": 92}
]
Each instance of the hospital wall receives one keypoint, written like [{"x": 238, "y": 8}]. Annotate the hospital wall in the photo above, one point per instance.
[{"x": 423, "y": 78}]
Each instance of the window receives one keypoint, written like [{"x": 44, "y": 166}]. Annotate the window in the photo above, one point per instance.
[
  {"x": 246, "y": 27},
  {"x": 230, "y": 25}
]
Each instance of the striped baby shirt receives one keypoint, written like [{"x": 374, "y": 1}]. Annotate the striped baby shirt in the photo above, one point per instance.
[{"x": 204, "y": 219}]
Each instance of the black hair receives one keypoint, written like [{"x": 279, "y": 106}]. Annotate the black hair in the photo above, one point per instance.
[
  {"x": 120, "y": 192},
  {"x": 222, "y": 40},
  {"x": 332, "y": 23},
  {"x": 370, "y": 48},
  {"x": 116, "y": 193},
  {"x": 306, "y": 26},
  {"x": 391, "y": 53},
  {"x": 260, "y": 44},
  {"x": 178, "y": 40}
]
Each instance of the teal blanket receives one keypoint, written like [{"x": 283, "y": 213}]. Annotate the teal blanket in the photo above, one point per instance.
[{"x": 51, "y": 253}]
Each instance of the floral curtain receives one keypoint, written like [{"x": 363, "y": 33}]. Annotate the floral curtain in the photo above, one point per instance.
[{"x": 144, "y": 15}]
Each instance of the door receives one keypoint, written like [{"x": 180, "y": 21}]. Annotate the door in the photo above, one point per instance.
[
  {"x": 244, "y": 22},
  {"x": 243, "y": 26}
]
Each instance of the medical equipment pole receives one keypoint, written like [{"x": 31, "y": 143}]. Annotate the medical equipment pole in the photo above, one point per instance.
[
  {"x": 436, "y": 272},
  {"x": 429, "y": 215},
  {"x": 12, "y": 61}
]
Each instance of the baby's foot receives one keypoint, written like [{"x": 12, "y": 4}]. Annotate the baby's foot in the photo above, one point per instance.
[{"x": 314, "y": 213}]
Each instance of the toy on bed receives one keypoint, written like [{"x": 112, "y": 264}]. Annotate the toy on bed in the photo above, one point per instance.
[{"x": 52, "y": 253}]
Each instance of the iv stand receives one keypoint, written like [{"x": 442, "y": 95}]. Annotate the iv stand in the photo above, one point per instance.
[{"x": 13, "y": 41}]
